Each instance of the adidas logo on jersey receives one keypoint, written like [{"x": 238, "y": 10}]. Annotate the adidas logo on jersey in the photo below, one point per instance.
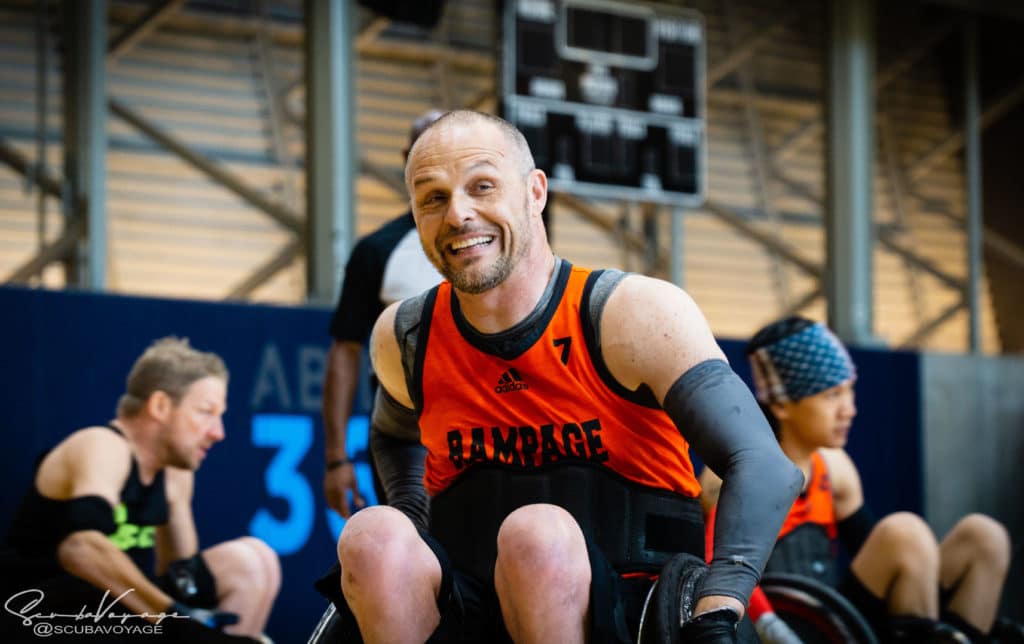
[{"x": 510, "y": 381}]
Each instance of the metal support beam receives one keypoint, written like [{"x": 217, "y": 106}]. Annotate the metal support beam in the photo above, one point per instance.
[
  {"x": 628, "y": 238},
  {"x": 392, "y": 180},
  {"x": 850, "y": 186},
  {"x": 649, "y": 219},
  {"x": 739, "y": 55},
  {"x": 898, "y": 191},
  {"x": 369, "y": 33},
  {"x": 280, "y": 213},
  {"x": 954, "y": 142},
  {"x": 21, "y": 164},
  {"x": 972, "y": 134},
  {"x": 758, "y": 152},
  {"x": 49, "y": 253},
  {"x": 769, "y": 241},
  {"x": 915, "y": 339},
  {"x": 331, "y": 158},
  {"x": 802, "y": 302},
  {"x": 280, "y": 261},
  {"x": 85, "y": 137},
  {"x": 1004, "y": 247},
  {"x": 145, "y": 24},
  {"x": 42, "y": 41},
  {"x": 893, "y": 70},
  {"x": 992, "y": 240},
  {"x": 677, "y": 260},
  {"x": 885, "y": 236}
]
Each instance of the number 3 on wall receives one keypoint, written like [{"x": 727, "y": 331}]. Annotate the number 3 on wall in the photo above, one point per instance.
[{"x": 293, "y": 436}]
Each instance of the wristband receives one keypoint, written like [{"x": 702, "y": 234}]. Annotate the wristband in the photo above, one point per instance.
[{"x": 338, "y": 462}]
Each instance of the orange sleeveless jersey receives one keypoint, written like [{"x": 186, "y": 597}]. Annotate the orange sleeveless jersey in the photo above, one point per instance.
[
  {"x": 547, "y": 405},
  {"x": 815, "y": 504}
]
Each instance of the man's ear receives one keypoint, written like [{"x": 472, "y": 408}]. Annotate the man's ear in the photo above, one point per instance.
[
  {"x": 537, "y": 185},
  {"x": 159, "y": 405},
  {"x": 781, "y": 410}
]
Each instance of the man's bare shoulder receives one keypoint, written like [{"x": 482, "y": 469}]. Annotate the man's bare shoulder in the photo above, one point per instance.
[
  {"x": 93, "y": 441},
  {"x": 652, "y": 332},
  {"x": 842, "y": 471},
  {"x": 637, "y": 296},
  {"x": 83, "y": 461}
]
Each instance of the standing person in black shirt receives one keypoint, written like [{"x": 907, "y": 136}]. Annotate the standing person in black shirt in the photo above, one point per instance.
[
  {"x": 111, "y": 500},
  {"x": 386, "y": 266}
]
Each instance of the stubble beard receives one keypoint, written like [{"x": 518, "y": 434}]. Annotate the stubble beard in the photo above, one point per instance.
[{"x": 474, "y": 280}]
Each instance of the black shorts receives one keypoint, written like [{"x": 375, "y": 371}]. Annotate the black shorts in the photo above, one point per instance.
[
  {"x": 470, "y": 611},
  {"x": 871, "y": 607}
]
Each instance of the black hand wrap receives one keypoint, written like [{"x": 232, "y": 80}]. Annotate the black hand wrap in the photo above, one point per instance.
[
  {"x": 718, "y": 416},
  {"x": 713, "y": 627},
  {"x": 190, "y": 582}
]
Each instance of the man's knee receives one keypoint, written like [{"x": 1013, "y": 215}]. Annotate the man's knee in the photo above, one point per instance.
[
  {"x": 372, "y": 537},
  {"x": 246, "y": 562},
  {"x": 543, "y": 540},
  {"x": 271, "y": 573},
  {"x": 905, "y": 530},
  {"x": 908, "y": 540},
  {"x": 987, "y": 538}
]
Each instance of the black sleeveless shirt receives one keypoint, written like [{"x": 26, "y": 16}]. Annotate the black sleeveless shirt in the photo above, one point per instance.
[{"x": 41, "y": 523}]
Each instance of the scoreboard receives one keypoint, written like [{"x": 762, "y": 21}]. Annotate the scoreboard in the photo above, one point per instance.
[{"x": 610, "y": 96}]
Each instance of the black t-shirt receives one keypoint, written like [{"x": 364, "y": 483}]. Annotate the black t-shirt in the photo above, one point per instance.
[{"x": 385, "y": 266}]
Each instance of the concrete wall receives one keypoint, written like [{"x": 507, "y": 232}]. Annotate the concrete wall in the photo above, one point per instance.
[{"x": 973, "y": 435}]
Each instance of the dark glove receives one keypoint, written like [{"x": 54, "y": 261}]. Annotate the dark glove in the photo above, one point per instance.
[
  {"x": 716, "y": 626},
  {"x": 215, "y": 619}
]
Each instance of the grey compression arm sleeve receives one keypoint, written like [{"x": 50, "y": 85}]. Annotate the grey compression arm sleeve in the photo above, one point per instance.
[
  {"x": 717, "y": 414},
  {"x": 399, "y": 456}
]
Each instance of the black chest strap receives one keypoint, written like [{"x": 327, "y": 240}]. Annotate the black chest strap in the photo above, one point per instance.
[
  {"x": 807, "y": 551},
  {"x": 637, "y": 528}
]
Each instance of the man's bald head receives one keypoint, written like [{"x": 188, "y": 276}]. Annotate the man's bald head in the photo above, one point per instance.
[{"x": 469, "y": 118}]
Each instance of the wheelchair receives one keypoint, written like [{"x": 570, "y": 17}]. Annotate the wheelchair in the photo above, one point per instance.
[{"x": 816, "y": 612}]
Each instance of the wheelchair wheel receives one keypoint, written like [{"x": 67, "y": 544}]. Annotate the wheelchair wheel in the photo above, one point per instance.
[
  {"x": 335, "y": 627},
  {"x": 816, "y": 612}
]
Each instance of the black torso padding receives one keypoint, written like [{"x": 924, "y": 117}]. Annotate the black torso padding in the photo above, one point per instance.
[
  {"x": 636, "y": 528},
  {"x": 807, "y": 551}
]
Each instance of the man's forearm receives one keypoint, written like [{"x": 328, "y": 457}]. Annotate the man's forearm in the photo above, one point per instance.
[
  {"x": 91, "y": 556},
  {"x": 719, "y": 417},
  {"x": 340, "y": 380}
]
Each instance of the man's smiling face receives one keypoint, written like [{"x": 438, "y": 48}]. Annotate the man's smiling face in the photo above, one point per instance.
[{"x": 470, "y": 202}]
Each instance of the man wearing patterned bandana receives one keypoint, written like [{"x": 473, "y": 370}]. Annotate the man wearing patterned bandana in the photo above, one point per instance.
[{"x": 804, "y": 380}]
